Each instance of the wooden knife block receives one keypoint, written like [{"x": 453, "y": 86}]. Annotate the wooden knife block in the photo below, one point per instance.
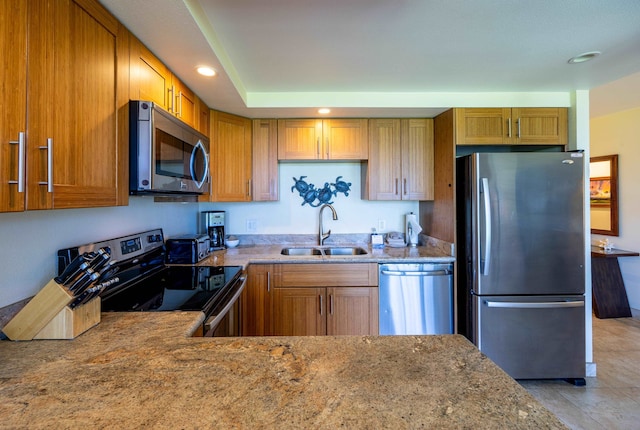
[
  {"x": 48, "y": 316},
  {"x": 71, "y": 323}
]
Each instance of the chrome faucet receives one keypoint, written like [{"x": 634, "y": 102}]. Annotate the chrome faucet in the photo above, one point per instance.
[{"x": 321, "y": 234}]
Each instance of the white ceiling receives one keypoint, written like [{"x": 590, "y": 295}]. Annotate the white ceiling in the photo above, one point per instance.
[{"x": 283, "y": 58}]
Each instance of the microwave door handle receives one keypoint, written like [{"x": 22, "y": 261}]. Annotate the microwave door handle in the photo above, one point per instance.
[{"x": 199, "y": 147}]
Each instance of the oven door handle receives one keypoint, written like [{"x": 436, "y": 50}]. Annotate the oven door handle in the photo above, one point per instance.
[{"x": 211, "y": 324}]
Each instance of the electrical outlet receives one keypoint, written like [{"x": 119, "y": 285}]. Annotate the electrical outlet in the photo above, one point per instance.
[
  {"x": 382, "y": 225},
  {"x": 252, "y": 225}
]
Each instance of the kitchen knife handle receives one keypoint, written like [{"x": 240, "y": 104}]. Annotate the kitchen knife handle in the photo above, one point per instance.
[
  {"x": 20, "y": 143},
  {"x": 487, "y": 226},
  {"x": 49, "y": 148}
]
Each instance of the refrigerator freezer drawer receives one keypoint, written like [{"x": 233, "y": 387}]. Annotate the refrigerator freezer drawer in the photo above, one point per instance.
[{"x": 532, "y": 337}]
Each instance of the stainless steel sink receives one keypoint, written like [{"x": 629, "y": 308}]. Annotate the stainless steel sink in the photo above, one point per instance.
[
  {"x": 345, "y": 250},
  {"x": 300, "y": 251}
]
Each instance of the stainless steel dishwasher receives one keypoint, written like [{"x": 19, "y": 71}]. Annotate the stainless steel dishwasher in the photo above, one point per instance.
[{"x": 416, "y": 298}]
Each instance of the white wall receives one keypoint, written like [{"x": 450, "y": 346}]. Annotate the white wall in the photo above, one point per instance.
[
  {"x": 619, "y": 133},
  {"x": 29, "y": 240},
  {"x": 289, "y": 216}
]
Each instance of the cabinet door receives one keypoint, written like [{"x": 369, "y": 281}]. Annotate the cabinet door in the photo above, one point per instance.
[
  {"x": 184, "y": 102},
  {"x": 72, "y": 144},
  {"x": 299, "y": 139},
  {"x": 417, "y": 159},
  {"x": 352, "y": 311},
  {"x": 265, "y": 160},
  {"x": 383, "y": 174},
  {"x": 204, "y": 117},
  {"x": 150, "y": 78},
  {"x": 13, "y": 99},
  {"x": 230, "y": 160},
  {"x": 484, "y": 126},
  {"x": 299, "y": 312},
  {"x": 345, "y": 139},
  {"x": 541, "y": 126},
  {"x": 256, "y": 301}
]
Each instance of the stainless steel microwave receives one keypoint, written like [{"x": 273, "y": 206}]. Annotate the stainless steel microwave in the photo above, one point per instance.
[{"x": 166, "y": 156}]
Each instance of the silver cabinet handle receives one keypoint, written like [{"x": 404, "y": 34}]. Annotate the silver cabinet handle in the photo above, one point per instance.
[
  {"x": 171, "y": 101},
  {"x": 518, "y": 121},
  {"x": 327, "y": 143},
  {"x": 20, "y": 143},
  {"x": 268, "y": 282},
  {"x": 487, "y": 226},
  {"x": 249, "y": 188},
  {"x": 179, "y": 104},
  {"x": 508, "y": 127},
  {"x": 404, "y": 186},
  {"x": 396, "y": 186},
  {"x": 49, "y": 148},
  {"x": 535, "y": 305},
  {"x": 330, "y": 304}
]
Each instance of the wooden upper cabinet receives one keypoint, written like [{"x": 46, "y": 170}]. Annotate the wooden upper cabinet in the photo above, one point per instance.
[
  {"x": 330, "y": 139},
  {"x": 184, "y": 104},
  {"x": 345, "y": 139},
  {"x": 230, "y": 160},
  {"x": 400, "y": 165},
  {"x": 153, "y": 81},
  {"x": 543, "y": 126},
  {"x": 265, "y": 160},
  {"x": 203, "y": 117},
  {"x": 417, "y": 159},
  {"x": 13, "y": 104},
  {"x": 150, "y": 79},
  {"x": 72, "y": 154},
  {"x": 507, "y": 126}
]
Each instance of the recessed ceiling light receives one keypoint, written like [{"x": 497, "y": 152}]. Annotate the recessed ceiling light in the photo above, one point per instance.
[
  {"x": 324, "y": 111},
  {"x": 584, "y": 57},
  {"x": 206, "y": 71}
]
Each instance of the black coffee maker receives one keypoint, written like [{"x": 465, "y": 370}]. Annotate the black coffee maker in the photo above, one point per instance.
[{"x": 213, "y": 224}]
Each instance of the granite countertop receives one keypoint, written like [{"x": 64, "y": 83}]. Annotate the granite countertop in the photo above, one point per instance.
[
  {"x": 270, "y": 253},
  {"x": 138, "y": 370}
]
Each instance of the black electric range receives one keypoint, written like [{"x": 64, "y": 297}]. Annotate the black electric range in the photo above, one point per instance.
[{"x": 141, "y": 281}]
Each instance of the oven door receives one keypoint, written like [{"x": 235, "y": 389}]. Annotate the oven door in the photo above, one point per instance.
[{"x": 225, "y": 320}]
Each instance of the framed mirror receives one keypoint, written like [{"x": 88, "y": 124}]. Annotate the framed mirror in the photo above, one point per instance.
[{"x": 603, "y": 180}]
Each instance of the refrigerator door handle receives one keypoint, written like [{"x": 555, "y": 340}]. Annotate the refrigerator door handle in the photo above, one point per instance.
[
  {"x": 487, "y": 226},
  {"x": 535, "y": 305}
]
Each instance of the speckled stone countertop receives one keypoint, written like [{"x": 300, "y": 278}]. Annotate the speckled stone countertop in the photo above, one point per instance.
[
  {"x": 138, "y": 370},
  {"x": 267, "y": 250}
]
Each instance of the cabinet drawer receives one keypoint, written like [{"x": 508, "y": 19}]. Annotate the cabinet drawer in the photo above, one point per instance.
[{"x": 326, "y": 275}]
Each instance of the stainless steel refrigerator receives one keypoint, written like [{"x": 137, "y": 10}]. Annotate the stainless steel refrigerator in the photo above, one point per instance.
[{"x": 520, "y": 254}]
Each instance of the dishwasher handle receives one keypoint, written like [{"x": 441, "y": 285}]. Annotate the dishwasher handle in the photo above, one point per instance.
[{"x": 444, "y": 272}]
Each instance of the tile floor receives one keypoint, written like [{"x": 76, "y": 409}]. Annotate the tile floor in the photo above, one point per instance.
[{"x": 611, "y": 400}]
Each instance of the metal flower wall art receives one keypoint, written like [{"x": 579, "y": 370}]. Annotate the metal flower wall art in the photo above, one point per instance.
[{"x": 319, "y": 196}]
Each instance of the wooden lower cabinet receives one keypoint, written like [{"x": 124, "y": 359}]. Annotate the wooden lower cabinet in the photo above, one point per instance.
[
  {"x": 320, "y": 311},
  {"x": 325, "y": 299},
  {"x": 256, "y": 300}
]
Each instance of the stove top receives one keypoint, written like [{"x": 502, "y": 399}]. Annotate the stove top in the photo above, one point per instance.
[
  {"x": 174, "y": 288},
  {"x": 142, "y": 281}
]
